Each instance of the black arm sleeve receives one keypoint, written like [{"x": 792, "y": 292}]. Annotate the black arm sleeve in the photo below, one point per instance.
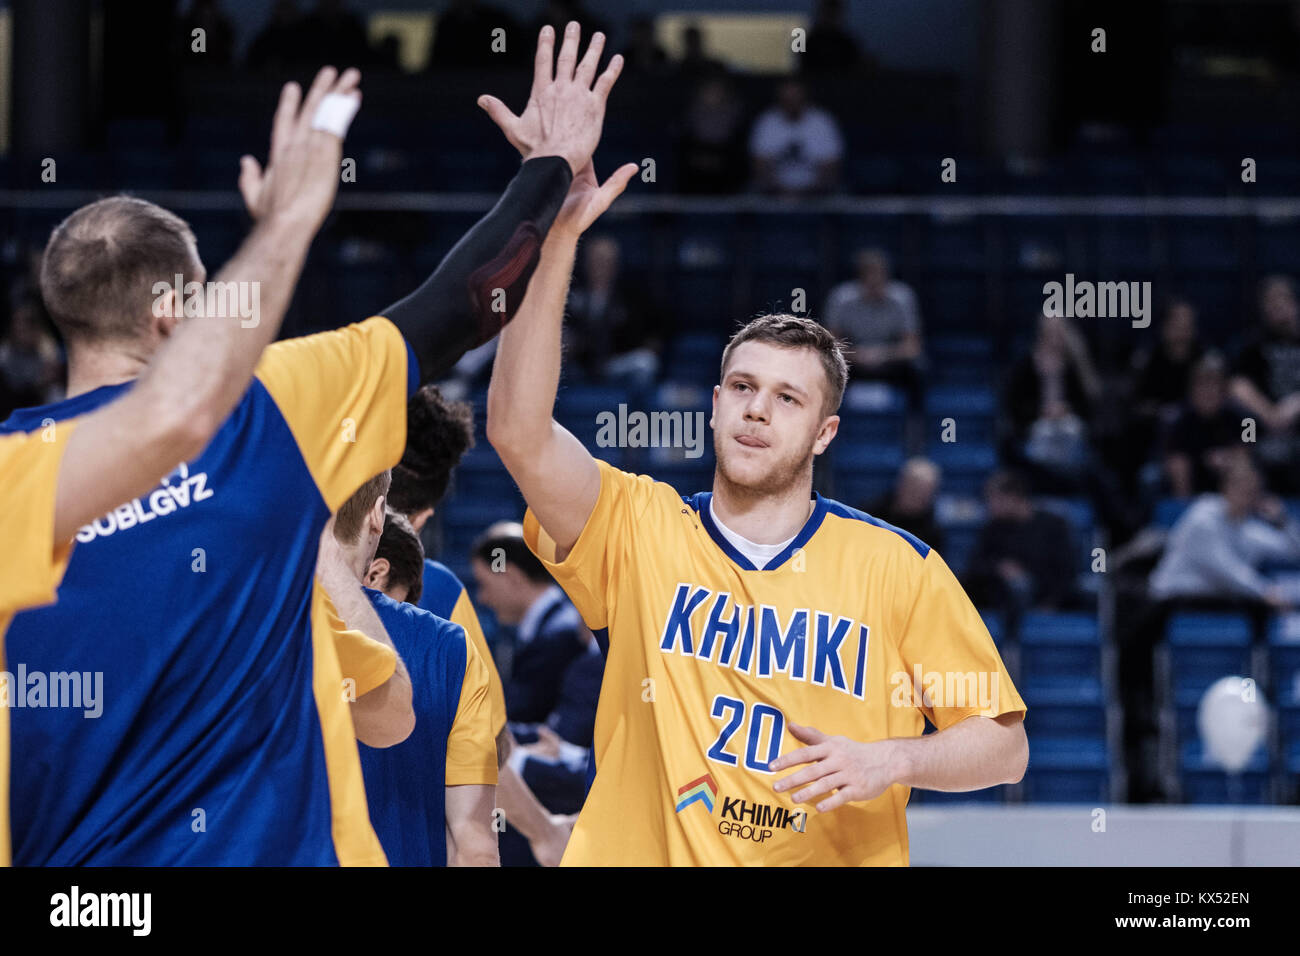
[{"x": 479, "y": 285}]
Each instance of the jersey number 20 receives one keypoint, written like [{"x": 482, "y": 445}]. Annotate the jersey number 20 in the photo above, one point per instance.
[{"x": 764, "y": 720}]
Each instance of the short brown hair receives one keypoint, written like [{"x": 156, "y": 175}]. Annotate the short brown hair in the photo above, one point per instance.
[
  {"x": 352, "y": 513},
  {"x": 796, "y": 332},
  {"x": 400, "y": 546},
  {"x": 101, "y": 264}
]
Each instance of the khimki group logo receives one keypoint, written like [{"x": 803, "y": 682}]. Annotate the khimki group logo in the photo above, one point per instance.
[{"x": 701, "y": 790}]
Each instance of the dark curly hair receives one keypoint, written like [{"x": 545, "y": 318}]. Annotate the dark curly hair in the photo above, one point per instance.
[{"x": 438, "y": 433}]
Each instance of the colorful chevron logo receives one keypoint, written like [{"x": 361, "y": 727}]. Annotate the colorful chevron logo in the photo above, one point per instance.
[{"x": 702, "y": 790}]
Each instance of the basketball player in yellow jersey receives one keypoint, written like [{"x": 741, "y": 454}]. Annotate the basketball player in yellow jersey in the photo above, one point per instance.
[{"x": 757, "y": 629}]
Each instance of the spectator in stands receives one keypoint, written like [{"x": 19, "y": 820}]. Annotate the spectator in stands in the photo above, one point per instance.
[
  {"x": 554, "y": 684},
  {"x": 711, "y": 152},
  {"x": 796, "y": 148},
  {"x": 1218, "y": 547},
  {"x": 611, "y": 327},
  {"x": 462, "y": 36},
  {"x": 549, "y": 634},
  {"x": 644, "y": 54},
  {"x": 334, "y": 34},
  {"x": 1205, "y": 434},
  {"x": 695, "y": 63},
  {"x": 878, "y": 316},
  {"x": 910, "y": 505},
  {"x": 1162, "y": 374},
  {"x": 1049, "y": 397},
  {"x": 218, "y": 34},
  {"x": 1025, "y": 557},
  {"x": 552, "y": 755},
  {"x": 831, "y": 47},
  {"x": 31, "y": 365},
  {"x": 1266, "y": 381},
  {"x": 279, "y": 44}
]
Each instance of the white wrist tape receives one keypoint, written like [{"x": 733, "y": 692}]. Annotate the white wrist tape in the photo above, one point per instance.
[{"x": 335, "y": 113}]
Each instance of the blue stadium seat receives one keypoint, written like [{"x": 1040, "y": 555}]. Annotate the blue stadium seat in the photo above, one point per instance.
[
  {"x": 1072, "y": 769},
  {"x": 1055, "y": 644},
  {"x": 1284, "y": 659},
  {"x": 965, "y": 464},
  {"x": 860, "y": 428},
  {"x": 865, "y": 471},
  {"x": 1065, "y": 705},
  {"x": 1203, "y": 782},
  {"x": 1204, "y": 646}
]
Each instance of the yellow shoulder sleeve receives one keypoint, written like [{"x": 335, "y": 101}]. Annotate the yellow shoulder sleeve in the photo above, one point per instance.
[{"x": 343, "y": 395}]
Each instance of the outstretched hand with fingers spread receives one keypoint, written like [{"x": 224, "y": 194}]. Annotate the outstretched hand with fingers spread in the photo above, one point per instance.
[
  {"x": 302, "y": 172},
  {"x": 855, "y": 771},
  {"x": 565, "y": 111}
]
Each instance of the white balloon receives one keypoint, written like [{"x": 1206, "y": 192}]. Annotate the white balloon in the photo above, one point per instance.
[{"x": 1233, "y": 721}]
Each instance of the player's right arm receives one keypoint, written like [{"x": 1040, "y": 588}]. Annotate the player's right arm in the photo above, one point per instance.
[
  {"x": 205, "y": 367},
  {"x": 556, "y": 474}
]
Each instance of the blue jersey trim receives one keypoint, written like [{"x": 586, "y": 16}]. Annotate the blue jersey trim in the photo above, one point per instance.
[
  {"x": 700, "y": 502},
  {"x": 853, "y": 514},
  {"x": 412, "y": 370},
  {"x": 30, "y": 419}
]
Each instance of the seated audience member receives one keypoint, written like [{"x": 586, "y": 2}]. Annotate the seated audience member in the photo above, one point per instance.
[
  {"x": 552, "y": 756},
  {"x": 549, "y": 633},
  {"x": 1049, "y": 395},
  {"x": 1217, "y": 548},
  {"x": 1205, "y": 433},
  {"x": 553, "y": 680},
  {"x": 1025, "y": 557},
  {"x": 878, "y": 316},
  {"x": 1163, "y": 373},
  {"x": 610, "y": 328},
  {"x": 910, "y": 505},
  {"x": 1266, "y": 381},
  {"x": 796, "y": 148}
]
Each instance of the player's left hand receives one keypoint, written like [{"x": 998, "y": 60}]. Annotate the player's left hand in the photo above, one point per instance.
[
  {"x": 588, "y": 198},
  {"x": 856, "y": 771}
]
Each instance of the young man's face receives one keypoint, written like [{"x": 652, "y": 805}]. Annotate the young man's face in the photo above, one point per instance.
[{"x": 768, "y": 416}]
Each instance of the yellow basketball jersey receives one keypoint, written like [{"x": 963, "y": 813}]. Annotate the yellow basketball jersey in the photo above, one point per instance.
[{"x": 857, "y": 629}]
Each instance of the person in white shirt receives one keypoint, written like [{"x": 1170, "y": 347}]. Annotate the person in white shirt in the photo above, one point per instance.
[
  {"x": 1218, "y": 546},
  {"x": 796, "y": 148}
]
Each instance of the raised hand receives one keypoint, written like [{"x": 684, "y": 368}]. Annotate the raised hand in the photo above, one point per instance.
[
  {"x": 302, "y": 173},
  {"x": 587, "y": 198},
  {"x": 565, "y": 111}
]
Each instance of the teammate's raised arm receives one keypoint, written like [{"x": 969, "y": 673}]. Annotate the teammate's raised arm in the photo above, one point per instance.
[
  {"x": 556, "y": 474},
  {"x": 204, "y": 368},
  {"x": 479, "y": 285}
]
